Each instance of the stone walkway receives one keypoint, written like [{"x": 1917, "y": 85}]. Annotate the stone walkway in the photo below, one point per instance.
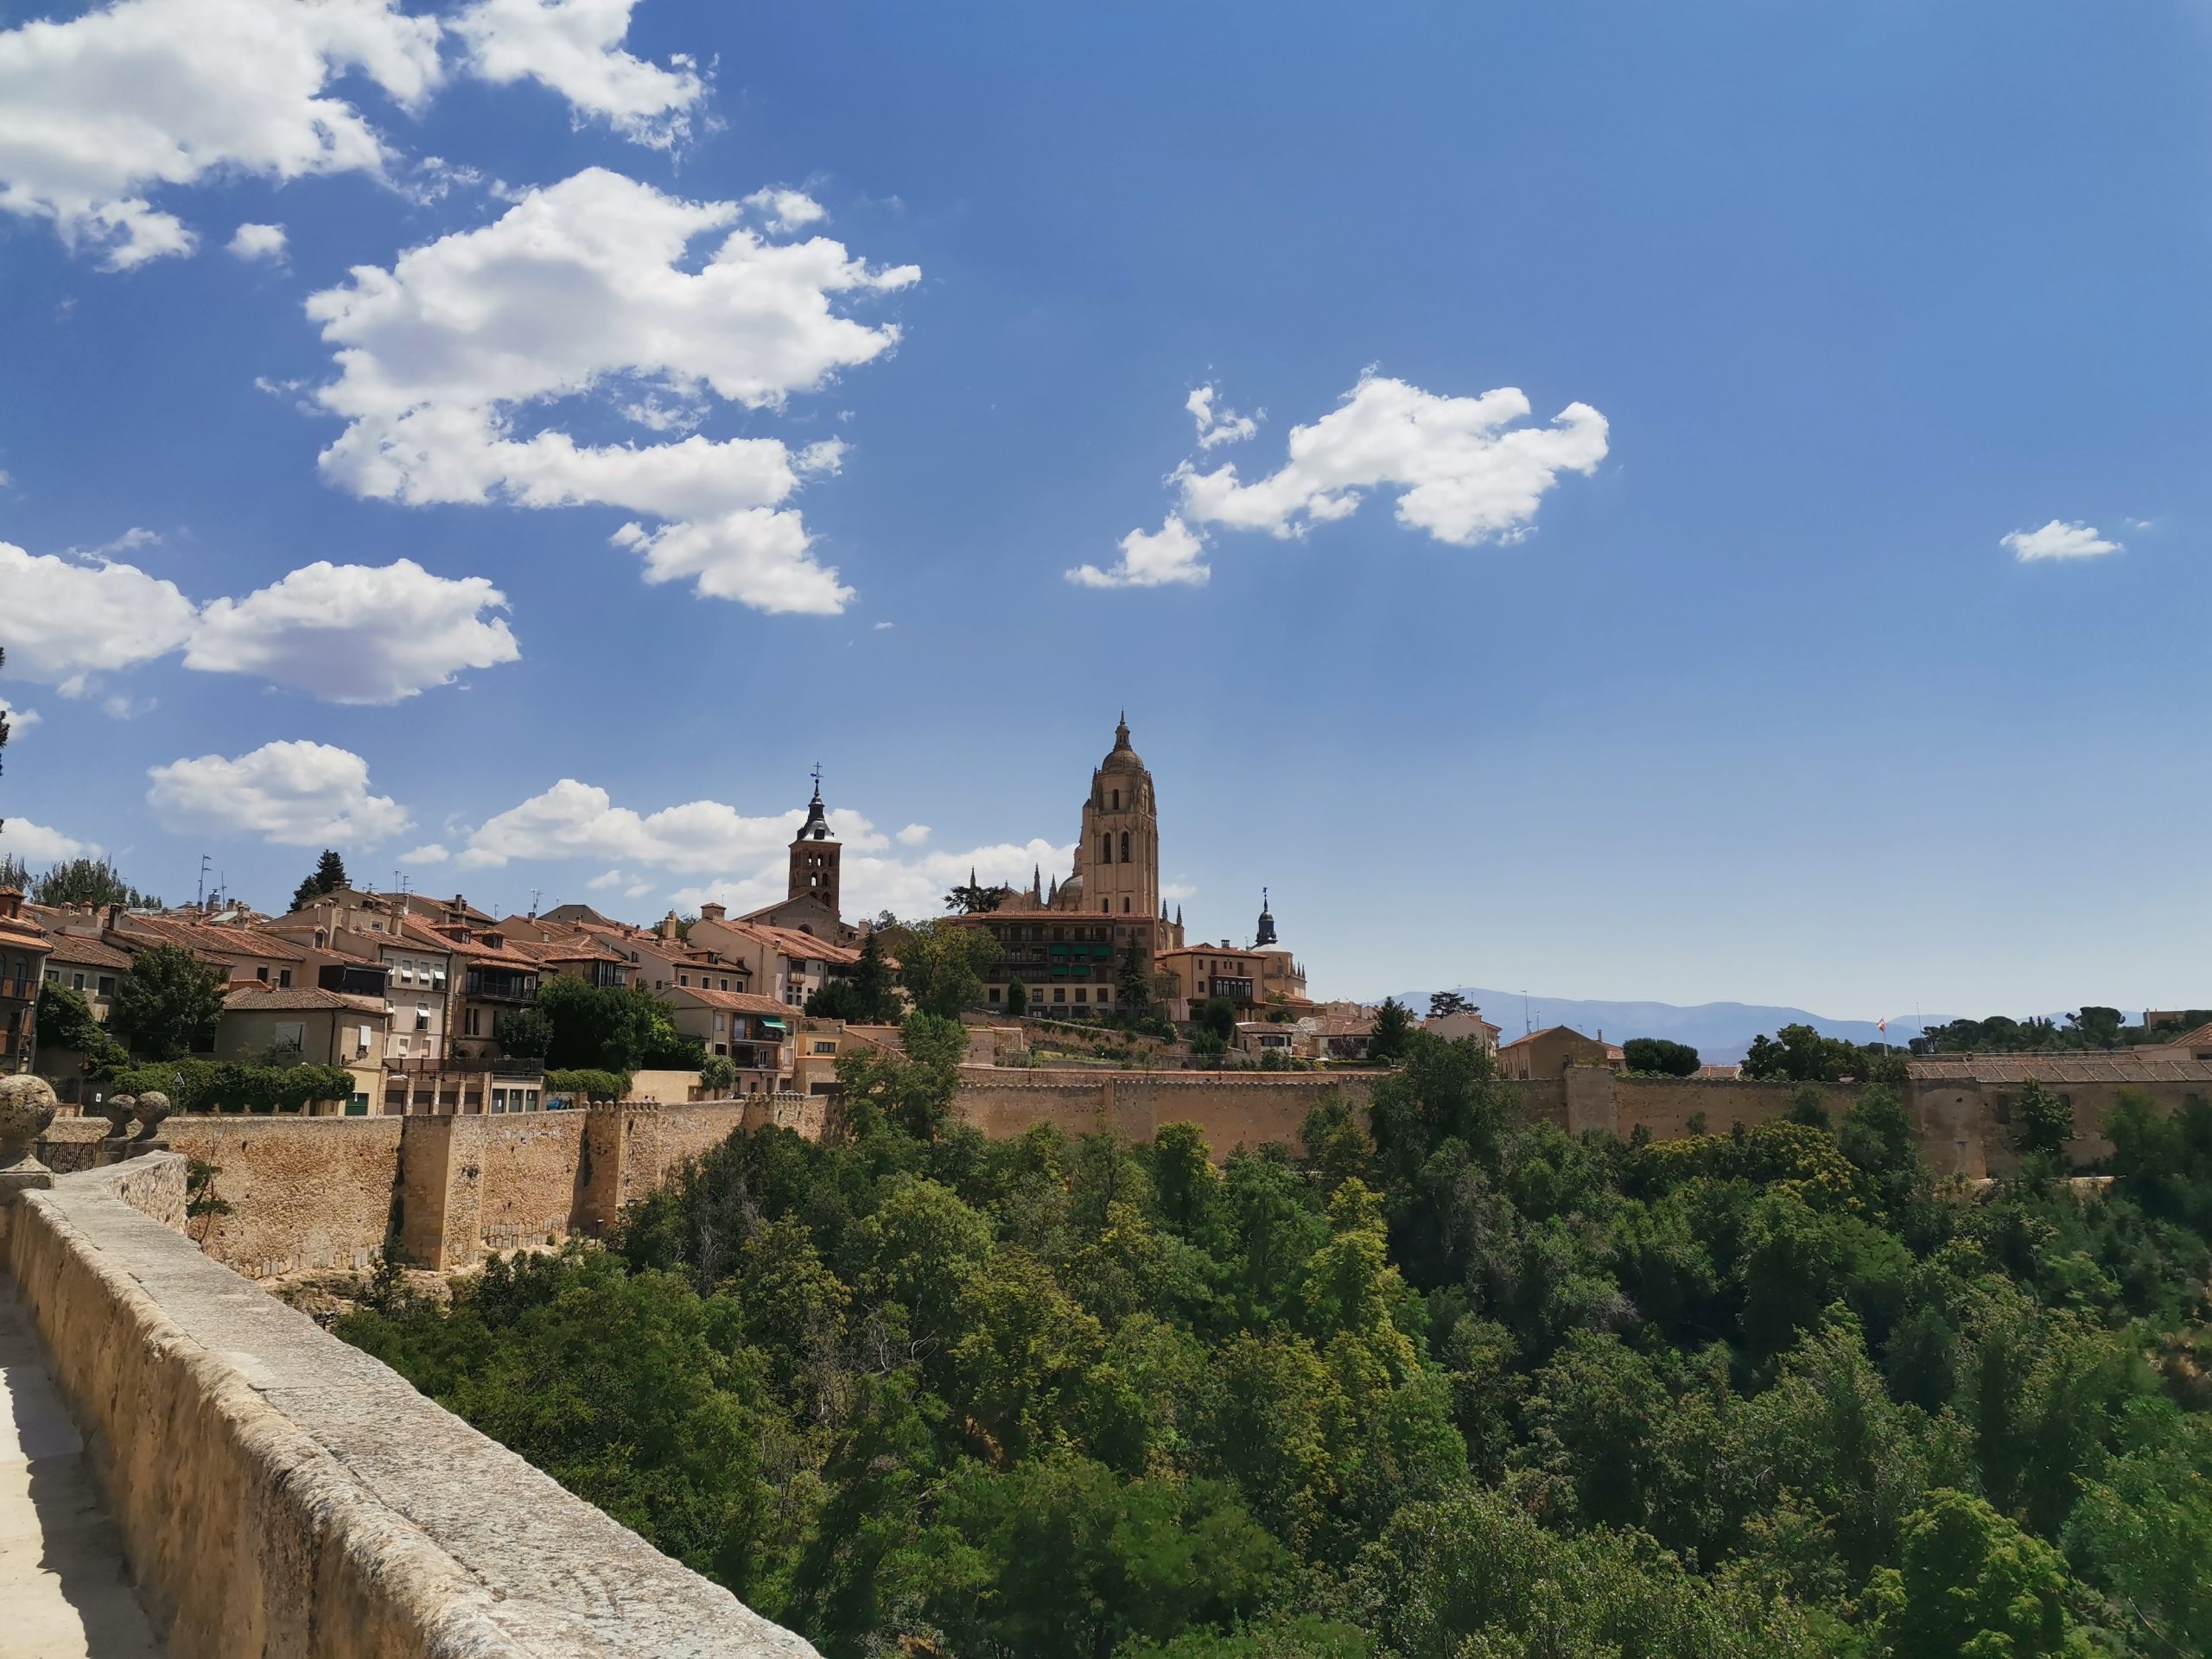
[{"x": 63, "y": 1591}]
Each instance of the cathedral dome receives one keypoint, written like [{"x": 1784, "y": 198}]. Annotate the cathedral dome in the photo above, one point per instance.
[{"x": 1124, "y": 758}]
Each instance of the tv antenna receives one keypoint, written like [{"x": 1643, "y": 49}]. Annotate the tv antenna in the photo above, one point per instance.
[{"x": 206, "y": 864}]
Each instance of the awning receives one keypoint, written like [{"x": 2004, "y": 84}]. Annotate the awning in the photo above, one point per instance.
[{"x": 772, "y": 1025}]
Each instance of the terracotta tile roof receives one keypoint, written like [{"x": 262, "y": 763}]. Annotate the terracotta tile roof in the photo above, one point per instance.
[
  {"x": 792, "y": 942},
  {"x": 1546, "y": 1031},
  {"x": 2119, "y": 1067},
  {"x": 577, "y": 950},
  {"x": 24, "y": 933},
  {"x": 79, "y": 951},
  {"x": 734, "y": 1002},
  {"x": 288, "y": 998},
  {"x": 205, "y": 938},
  {"x": 423, "y": 935}
]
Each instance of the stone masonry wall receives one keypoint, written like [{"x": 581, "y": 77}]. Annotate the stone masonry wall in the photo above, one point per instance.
[
  {"x": 1231, "y": 1109},
  {"x": 303, "y": 1192}
]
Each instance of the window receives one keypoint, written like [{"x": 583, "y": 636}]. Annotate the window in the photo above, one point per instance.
[
  {"x": 1125, "y": 904},
  {"x": 406, "y": 971},
  {"x": 1060, "y": 994},
  {"x": 1125, "y": 845},
  {"x": 1106, "y": 848},
  {"x": 400, "y": 1041},
  {"x": 827, "y": 1047},
  {"x": 683, "y": 979},
  {"x": 293, "y": 1031},
  {"x": 421, "y": 1016},
  {"x": 498, "y": 1100},
  {"x": 1117, "y": 800},
  {"x": 1082, "y": 995},
  {"x": 719, "y": 1026},
  {"x": 284, "y": 976},
  {"x": 54, "y": 977},
  {"x": 994, "y": 994},
  {"x": 471, "y": 1022},
  {"x": 76, "y": 982},
  {"x": 438, "y": 978},
  {"x": 261, "y": 974}
]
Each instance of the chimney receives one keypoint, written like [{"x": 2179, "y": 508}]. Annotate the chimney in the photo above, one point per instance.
[
  {"x": 11, "y": 903},
  {"x": 114, "y": 915},
  {"x": 711, "y": 912}
]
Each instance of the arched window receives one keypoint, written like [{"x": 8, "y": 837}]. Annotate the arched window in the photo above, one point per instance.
[
  {"x": 1106, "y": 847},
  {"x": 1125, "y": 904},
  {"x": 1117, "y": 800},
  {"x": 1125, "y": 845}
]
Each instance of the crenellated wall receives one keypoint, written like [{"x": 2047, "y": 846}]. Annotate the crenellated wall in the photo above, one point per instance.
[{"x": 278, "y": 1493}]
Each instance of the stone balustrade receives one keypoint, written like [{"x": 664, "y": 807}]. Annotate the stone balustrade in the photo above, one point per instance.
[{"x": 279, "y": 1493}]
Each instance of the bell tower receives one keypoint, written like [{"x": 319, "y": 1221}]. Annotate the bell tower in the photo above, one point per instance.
[
  {"x": 816, "y": 856},
  {"x": 1119, "y": 852}
]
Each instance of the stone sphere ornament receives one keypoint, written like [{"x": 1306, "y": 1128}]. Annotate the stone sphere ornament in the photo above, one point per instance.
[
  {"x": 27, "y": 1106},
  {"x": 153, "y": 1106},
  {"x": 118, "y": 1110}
]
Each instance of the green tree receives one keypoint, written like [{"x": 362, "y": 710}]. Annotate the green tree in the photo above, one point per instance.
[
  {"x": 1394, "y": 1024},
  {"x": 66, "y": 1022},
  {"x": 1801, "y": 1054},
  {"x": 167, "y": 1005},
  {"x": 875, "y": 993},
  {"x": 609, "y": 1027},
  {"x": 327, "y": 876},
  {"x": 718, "y": 1075},
  {"x": 1134, "y": 981},
  {"x": 1971, "y": 1586},
  {"x": 1216, "y": 1017},
  {"x": 1661, "y": 1057},
  {"x": 1442, "y": 1004},
  {"x": 93, "y": 881},
  {"x": 2042, "y": 1120},
  {"x": 524, "y": 1034},
  {"x": 1017, "y": 998},
  {"x": 941, "y": 966}
]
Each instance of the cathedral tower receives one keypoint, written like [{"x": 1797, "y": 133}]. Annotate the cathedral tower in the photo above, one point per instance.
[
  {"x": 1117, "y": 858},
  {"x": 816, "y": 856}
]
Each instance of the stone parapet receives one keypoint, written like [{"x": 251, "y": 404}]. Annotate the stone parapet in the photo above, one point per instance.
[{"x": 280, "y": 1493}]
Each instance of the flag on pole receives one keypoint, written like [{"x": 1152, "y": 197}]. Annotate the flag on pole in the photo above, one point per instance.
[{"x": 1881, "y": 1025}]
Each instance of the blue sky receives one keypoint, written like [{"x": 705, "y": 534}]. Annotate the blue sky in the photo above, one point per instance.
[{"x": 1727, "y": 685}]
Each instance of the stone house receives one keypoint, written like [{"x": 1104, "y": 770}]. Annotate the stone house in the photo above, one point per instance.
[
  {"x": 754, "y": 1032},
  {"x": 24, "y": 946},
  {"x": 1548, "y": 1052},
  {"x": 326, "y": 1027}
]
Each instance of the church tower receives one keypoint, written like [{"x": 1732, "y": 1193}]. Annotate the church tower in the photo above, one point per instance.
[
  {"x": 1118, "y": 856},
  {"x": 816, "y": 856}
]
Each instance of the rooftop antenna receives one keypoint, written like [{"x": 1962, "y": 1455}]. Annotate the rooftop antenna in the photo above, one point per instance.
[
  {"x": 533, "y": 904},
  {"x": 1526, "y": 1026},
  {"x": 206, "y": 864}
]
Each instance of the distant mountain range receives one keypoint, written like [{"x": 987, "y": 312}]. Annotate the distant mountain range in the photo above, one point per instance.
[{"x": 1720, "y": 1032}]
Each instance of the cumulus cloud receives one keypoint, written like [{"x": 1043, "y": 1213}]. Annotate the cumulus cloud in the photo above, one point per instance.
[
  {"x": 293, "y": 794},
  {"x": 97, "y": 113},
  {"x": 2059, "y": 540},
  {"x": 19, "y": 720},
  {"x": 429, "y": 852},
  {"x": 356, "y": 633},
  {"x": 784, "y": 210},
  {"x": 575, "y": 47},
  {"x": 258, "y": 242},
  {"x": 742, "y": 858},
  {"x": 1172, "y": 553},
  {"x": 1215, "y": 426},
  {"x": 590, "y": 286},
  {"x": 33, "y": 843},
  {"x": 1463, "y": 473},
  {"x": 64, "y": 620},
  {"x": 342, "y": 632}
]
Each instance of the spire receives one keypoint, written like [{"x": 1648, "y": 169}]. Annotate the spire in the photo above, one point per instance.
[
  {"x": 1266, "y": 936},
  {"x": 1122, "y": 731},
  {"x": 1037, "y": 880},
  {"x": 816, "y": 826},
  {"x": 1178, "y": 915}
]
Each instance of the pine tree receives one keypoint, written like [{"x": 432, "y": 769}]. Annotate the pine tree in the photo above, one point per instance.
[
  {"x": 1133, "y": 987},
  {"x": 330, "y": 877},
  {"x": 873, "y": 1000}
]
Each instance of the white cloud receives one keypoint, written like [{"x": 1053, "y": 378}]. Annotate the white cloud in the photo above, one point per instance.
[
  {"x": 882, "y": 626},
  {"x": 1222, "y": 425},
  {"x": 1175, "y": 891},
  {"x": 1173, "y": 553},
  {"x": 429, "y": 852},
  {"x": 355, "y": 632},
  {"x": 744, "y": 858},
  {"x": 585, "y": 287},
  {"x": 784, "y": 210},
  {"x": 342, "y": 632},
  {"x": 578, "y": 820},
  {"x": 258, "y": 242},
  {"x": 575, "y": 47},
  {"x": 913, "y": 834},
  {"x": 19, "y": 720},
  {"x": 1462, "y": 477},
  {"x": 33, "y": 843},
  {"x": 2058, "y": 540},
  {"x": 63, "y": 621},
  {"x": 293, "y": 794},
  {"x": 98, "y": 112}
]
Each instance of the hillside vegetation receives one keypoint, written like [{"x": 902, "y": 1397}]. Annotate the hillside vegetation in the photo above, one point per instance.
[{"x": 1465, "y": 1389}]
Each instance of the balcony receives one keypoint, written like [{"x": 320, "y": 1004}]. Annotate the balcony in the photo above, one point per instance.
[
  {"x": 471, "y": 1063},
  {"x": 492, "y": 985}
]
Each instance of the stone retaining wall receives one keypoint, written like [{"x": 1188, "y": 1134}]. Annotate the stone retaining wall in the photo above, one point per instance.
[
  {"x": 1231, "y": 1109},
  {"x": 279, "y": 1493}
]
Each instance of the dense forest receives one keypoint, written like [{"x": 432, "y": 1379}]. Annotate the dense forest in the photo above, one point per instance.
[{"x": 1447, "y": 1386}]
